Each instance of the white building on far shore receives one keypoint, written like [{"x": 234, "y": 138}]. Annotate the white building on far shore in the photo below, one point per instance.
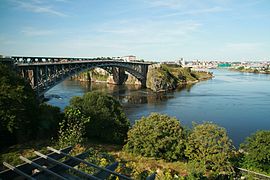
[{"x": 129, "y": 58}]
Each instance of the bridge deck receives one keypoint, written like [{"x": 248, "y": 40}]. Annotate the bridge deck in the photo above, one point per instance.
[
  {"x": 79, "y": 62},
  {"x": 45, "y": 72}
]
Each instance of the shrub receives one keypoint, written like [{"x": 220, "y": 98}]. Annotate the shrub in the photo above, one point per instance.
[
  {"x": 210, "y": 148},
  {"x": 257, "y": 151},
  {"x": 158, "y": 136},
  {"x": 72, "y": 128},
  {"x": 48, "y": 121},
  {"x": 108, "y": 121}
]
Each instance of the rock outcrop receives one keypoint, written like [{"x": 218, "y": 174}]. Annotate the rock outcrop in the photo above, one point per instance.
[
  {"x": 159, "y": 77},
  {"x": 169, "y": 77}
]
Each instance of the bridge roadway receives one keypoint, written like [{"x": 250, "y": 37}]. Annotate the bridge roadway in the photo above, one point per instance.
[{"x": 43, "y": 73}]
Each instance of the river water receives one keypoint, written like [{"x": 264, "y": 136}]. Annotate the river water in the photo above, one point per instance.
[{"x": 239, "y": 102}]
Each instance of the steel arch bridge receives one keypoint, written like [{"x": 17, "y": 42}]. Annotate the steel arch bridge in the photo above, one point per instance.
[{"x": 43, "y": 73}]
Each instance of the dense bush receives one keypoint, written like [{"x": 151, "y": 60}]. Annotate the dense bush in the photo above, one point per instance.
[
  {"x": 108, "y": 121},
  {"x": 257, "y": 152},
  {"x": 209, "y": 147},
  {"x": 48, "y": 120},
  {"x": 72, "y": 128},
  {"x": 157, "y": 136},
  {"x": 18, "y": 107},
  {"x": 21, "y": 117}
]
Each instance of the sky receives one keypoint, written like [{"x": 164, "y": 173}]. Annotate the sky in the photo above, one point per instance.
[{"x": 159, "y": 30}]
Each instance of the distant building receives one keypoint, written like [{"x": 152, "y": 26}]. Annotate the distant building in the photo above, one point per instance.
[
  {"x": 129, "y": 58},
  {"x": 224, "y": 65},
  {"x": 182, "y": 62}
]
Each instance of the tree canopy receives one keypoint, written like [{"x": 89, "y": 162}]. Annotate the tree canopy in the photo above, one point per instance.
[
  {"x": 257, "y": 151},
  {"x": 48, "y": 120},
  {"x": 108, "y": 121},
  {"x": 21, "y": 116},
  {"x": 210, "y": 147},
  {"x": 18, "y": 105},
  {"x": 157, "y": 136},
  {"x": 72, "y": 128}
]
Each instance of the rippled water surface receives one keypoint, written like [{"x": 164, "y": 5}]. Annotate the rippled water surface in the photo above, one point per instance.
[{"x": 240, "y": 102}]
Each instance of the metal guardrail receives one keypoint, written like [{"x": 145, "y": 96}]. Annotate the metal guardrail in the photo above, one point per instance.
[
  {"x": 50, "y": 167},
  {"x": 258, "y": 175}
]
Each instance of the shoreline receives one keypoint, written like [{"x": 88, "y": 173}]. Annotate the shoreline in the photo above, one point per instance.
[{"x": 253, "y": 71}]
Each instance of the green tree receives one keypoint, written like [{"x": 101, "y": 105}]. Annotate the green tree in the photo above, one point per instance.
[
  {"x": 49, "y": 118},
  {"x": 241, "y": 68},
  {"x": 18, "y": 106},
  {"x": 157, "y": 136},
  {"x": 210, "y": 148},
  {"x": 257, "y": 151},
  {"x": 108, "y": 120},
  {"x": 72, "y": 128}
]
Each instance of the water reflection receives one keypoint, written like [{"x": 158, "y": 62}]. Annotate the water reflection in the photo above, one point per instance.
[
  {"x": 237, "y": 101},
  {"x": 127, "y": 94}
]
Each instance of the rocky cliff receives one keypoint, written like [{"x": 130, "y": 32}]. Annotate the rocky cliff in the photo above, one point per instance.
[
  {"x": 159, "y": 77},
  {"x": 169, "y": 77}
]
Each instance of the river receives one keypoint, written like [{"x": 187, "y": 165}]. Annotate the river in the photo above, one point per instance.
[{"x": 239, "y": 102}]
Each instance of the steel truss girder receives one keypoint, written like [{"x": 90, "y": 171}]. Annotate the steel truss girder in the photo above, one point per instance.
[{"x": 43, "y": 76}]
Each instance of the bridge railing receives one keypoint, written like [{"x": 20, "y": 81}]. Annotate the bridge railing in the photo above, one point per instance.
[
  {"x": 19, "y": 59},
  {"x": 31, "y": 60}
]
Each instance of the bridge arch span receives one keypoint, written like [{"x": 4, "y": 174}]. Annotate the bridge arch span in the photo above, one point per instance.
[
  {"x": 133, "y": 72},
  {"x": 44, "y": 76}
]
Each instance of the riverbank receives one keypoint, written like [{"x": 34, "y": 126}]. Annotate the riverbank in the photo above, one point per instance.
[
  {"x": 250, "y": 70},
  {"x": 160, "y": 78},
  {"x": 221, "y": 100}
]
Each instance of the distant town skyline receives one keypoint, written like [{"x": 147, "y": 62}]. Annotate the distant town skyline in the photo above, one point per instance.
[{"x": 229, "y": 30}]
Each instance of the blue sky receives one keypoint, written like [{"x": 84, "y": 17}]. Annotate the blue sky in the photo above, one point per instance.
[{"x": 230, "y": 30}]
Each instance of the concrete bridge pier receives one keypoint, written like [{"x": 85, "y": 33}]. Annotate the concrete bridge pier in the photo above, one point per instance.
[
  {"x": 143, "y": 83},
  {"x": 87, "y": 76},
  {"x": 144, "y": 70},
  {"x": 119, "y": 75}
]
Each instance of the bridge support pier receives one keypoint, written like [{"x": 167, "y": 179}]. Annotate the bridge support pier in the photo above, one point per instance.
[
  {"x": 119, "y": 75},
  {"x": 87, "y": 76},
  {"x": 143, "y": 83},
  {"x": 144, "y": 70}
]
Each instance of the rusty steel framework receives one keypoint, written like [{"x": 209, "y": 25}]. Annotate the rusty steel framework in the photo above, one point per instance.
[{"x": 43, "y": 73}]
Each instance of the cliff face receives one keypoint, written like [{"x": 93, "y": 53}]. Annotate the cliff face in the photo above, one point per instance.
[
  {"x": 132, "y": 80},
  {"x": 159, "y": 77},
  {"x": 165, "y": 77},
  {"x": 94, "y": 75}
]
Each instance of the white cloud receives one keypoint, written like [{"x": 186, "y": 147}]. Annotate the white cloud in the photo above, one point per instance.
[
  {"x": 188, "y": 7},
  {"x": 199, "y": 11},
  {"x": 38, "y": 6},
  {"x": 247, "y": 47},
  {"x": 30, "y": 31},
  {"x": 173, "y": 4},
  {"x": 147, "y": 32}
]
